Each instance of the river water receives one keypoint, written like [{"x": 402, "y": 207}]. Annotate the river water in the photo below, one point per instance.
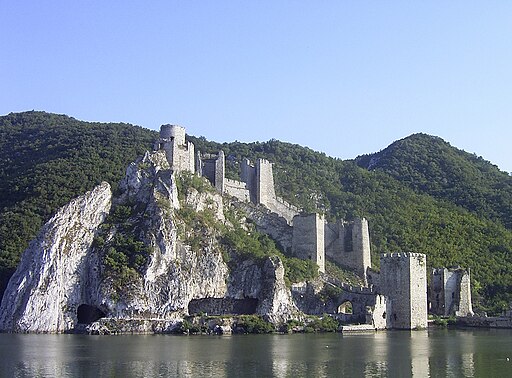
[{"x": 434, "y": 353}]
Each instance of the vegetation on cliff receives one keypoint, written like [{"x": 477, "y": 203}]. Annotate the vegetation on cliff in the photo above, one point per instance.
[{"x": 420, "y": 194}]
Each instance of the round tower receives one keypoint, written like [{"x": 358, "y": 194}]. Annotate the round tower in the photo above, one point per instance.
[{"x": 173, "y": 132}]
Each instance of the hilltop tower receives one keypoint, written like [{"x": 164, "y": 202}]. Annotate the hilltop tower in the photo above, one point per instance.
[
  {"x": 403, "y": 279},
  {"x": 179, "y": 152},
  {"x": 308, "y": 238}
]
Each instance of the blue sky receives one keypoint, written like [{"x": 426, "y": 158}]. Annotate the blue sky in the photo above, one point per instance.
[{"x": 342, "y": 77}]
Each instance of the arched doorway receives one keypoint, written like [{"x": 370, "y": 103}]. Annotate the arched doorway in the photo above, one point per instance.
[{"x": 346, "y": 308}]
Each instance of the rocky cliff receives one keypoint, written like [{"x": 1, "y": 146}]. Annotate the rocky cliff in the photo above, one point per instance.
[
  {"x": 144, "y": 254},
  {"x": 50, "y": 282}
]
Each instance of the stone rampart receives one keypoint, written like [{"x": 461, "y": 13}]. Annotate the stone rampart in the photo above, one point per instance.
[
  {"x": 237, "y": 189},
  {"x": 283, "y": 208}
]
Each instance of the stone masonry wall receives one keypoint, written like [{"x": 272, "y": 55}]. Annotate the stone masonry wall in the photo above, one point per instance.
[
  {"x": 237, "y": 189},
  {"x": 450, "y": 292},
  {"x": 348, "y": 244},
  {"x": 308, "y": 238},
  {"x": 465, "y": 305},
  {"x": 403, "y": 280}
]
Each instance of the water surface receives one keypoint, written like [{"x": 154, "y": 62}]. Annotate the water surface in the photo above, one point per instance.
[{"x": 438, "y": 353}]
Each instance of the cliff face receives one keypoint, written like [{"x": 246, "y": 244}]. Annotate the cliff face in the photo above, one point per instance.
[
  {"x": 47, "y": 287},
  {"x": 140, "y": 259}
]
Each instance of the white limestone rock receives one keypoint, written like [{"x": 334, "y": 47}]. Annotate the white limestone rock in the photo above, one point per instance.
[
  {"x": 63, "y": 269},
  {"x": 45, "y": 290},
  {"x": 276, "y": 304}
]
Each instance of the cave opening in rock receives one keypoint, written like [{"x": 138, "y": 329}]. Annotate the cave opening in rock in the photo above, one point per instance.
[{"x": 88, "y": 314}]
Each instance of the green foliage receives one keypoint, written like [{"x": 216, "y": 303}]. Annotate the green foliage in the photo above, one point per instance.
[
  {"x": 329, "y": 292},
  {"x": 48, "y": 159},
  {"x": 254, "y": 324},
  {"x": 430, "y": 165},
  {"x": 323, "y": 323},
  {"x": 443, "y": 321},
  {"x": 124, "y": 257},
  {"x": 188, "y": 180},
  {"x": 343, "y": 275}
]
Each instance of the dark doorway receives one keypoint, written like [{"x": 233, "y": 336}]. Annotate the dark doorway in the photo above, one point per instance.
[{"x": 87, "y": 314}]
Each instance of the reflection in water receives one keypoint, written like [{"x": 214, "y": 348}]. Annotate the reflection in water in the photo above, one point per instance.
[
  {"x": 382, "y": 354},
  {"x": 419, "y": 354}
]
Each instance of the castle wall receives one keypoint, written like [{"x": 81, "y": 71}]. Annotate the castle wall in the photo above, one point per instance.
[
  {"x": 378, "y": 314},
  {"x": 403, "y": 280},
  {"x": 283, "y": 208},
  {"x": 436, "y": 292},
  {"x": 237, "y": 189},
  {"x": 308, "y": 239},
  {"x": 348, "y": 244},
  {"x": 214, "y": 169}
]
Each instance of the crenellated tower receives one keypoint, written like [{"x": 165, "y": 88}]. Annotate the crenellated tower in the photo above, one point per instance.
[
  {"x": 180, "y": 153},
  {"x": 403, "y": 279}
]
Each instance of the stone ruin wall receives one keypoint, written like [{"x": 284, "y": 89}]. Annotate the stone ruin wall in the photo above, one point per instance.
[
  {"x": 348, "y": 244},
  {"x": 237, "y": 189},
  {"x": 450, "y": 292},
  {"x": 180, "y": 153},
  {"x": 465, "y": 305}
]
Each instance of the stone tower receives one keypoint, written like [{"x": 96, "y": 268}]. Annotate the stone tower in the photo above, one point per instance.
[
  {"x": 213, "y": 167},
  {"x": 308, "y": 238},
  {"x": 348, "y": 243},
  {"x": 265, "y": 193},
  {"x": 450, "y": 292},
  {"x": 179, "y": 152},
  {"x": 403, "y": 279}
]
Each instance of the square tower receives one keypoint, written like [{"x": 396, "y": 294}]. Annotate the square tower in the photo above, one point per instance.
[
  {"x": 403, "y": 279},
  {"x": 308, "y": 238}
]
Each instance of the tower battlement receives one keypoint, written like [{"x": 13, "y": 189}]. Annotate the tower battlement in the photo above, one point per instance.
[{"x": 402, "y": 255}]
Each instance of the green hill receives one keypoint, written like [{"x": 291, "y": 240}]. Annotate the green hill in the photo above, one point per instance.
[
  {"x": 47, "y": 159},
  {"x": 432, "y": 166}
]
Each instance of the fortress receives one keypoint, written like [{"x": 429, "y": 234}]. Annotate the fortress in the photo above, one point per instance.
[{"x": 395, "y": 297}]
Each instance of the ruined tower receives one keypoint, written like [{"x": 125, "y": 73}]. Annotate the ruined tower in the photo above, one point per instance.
[
  {"x": 403, "y": 279},
  {"x": 348, "y": 244},
  {"x": 179, "y": 152},
  {"x": 213, "y": 167},
  {"x": 450, "y": 292},
  {"x": 308, "y": 238}
]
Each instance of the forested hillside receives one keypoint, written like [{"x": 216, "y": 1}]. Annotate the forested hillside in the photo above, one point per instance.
[
  {"x": 47, "y": 159},
  {"x": 430, "y": 165}
]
